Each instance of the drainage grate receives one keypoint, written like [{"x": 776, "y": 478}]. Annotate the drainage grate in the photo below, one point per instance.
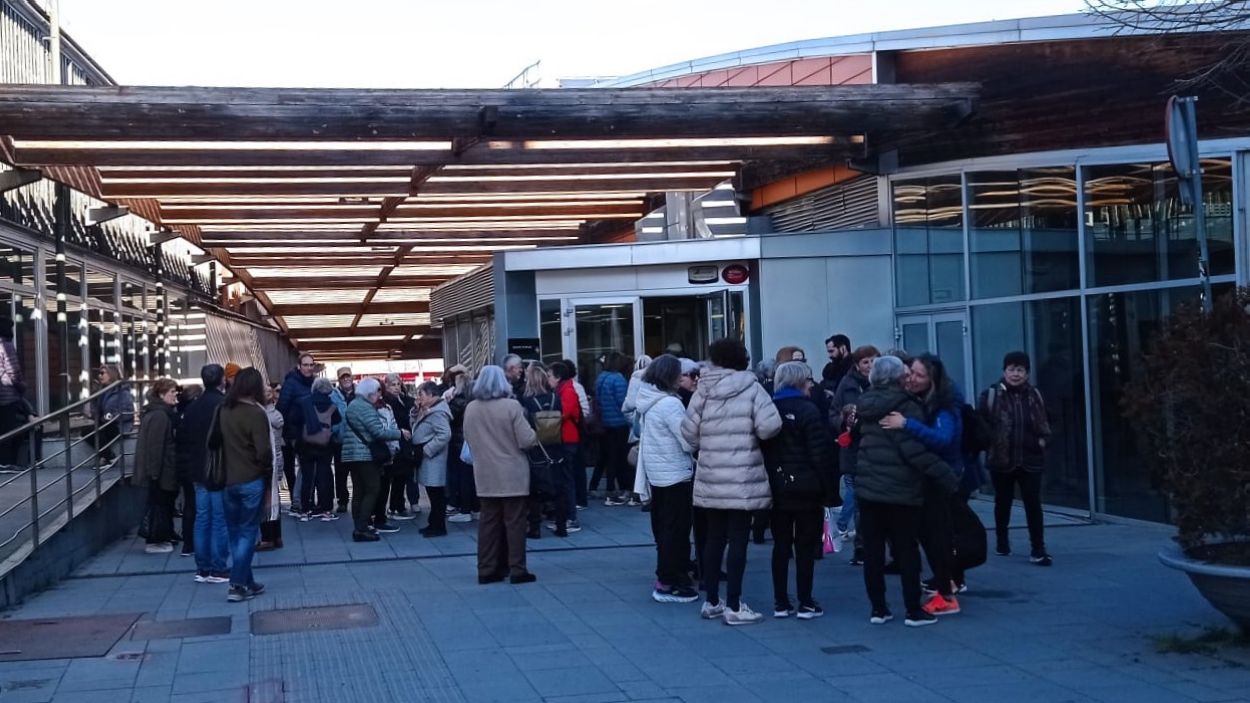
[
  {"x": 178, "y": 629},
  {"x": 62, "y": 638},
  {"x": 846, "y": 649},
  {"x": 330, "y": 617}
]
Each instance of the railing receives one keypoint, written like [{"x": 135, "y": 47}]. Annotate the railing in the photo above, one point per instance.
[{"x": 37, "y": 500}]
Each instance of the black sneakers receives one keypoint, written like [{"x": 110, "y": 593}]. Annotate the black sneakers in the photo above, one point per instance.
[
  {"x": 810, "y": 612},
  {"x": 920, "y": 618},
  {"x": 1004, "y": 547},
  {"x": 1040, "y": 558},
  {"x": 358, "y": 536},
  {"x": 880, "y": 616}
]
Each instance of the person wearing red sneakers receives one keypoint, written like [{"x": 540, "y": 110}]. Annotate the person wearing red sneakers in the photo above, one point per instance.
[
  {"x": 890, "y": 474},
  {"x": 941, "y": 432}
]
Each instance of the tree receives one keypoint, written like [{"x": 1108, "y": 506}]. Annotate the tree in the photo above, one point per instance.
[{"x": 1230, "y": 74}]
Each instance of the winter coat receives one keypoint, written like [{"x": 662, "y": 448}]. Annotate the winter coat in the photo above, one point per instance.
[
  {"x": 498, "y": 436},
  {"x": 853, "y": 385},
  {"x": 831, "y": 376},
  {"x": 630, "y": 406},
  {"x": 663, "y": 453},
  {"x": 295, "y": 388},
  {"x": 570, "y": 412},
  {"x": 1018, "y": 418},
  {"x": 247, "y": 443},
  {"x": 432, "y": 432},
  {"x": 317, "y": 403},
  {"x": 389, "y": 423},
  {"x": 728, "y": 416},
  {"x": 582, "y": 399},
  {"x": 275, "y": 438},
  {"x": 340, "y": 401},
  {"x": 942, "y": 433},
  {"x": 802, "y": 449},
  {"x": 192, "y": 439},
  {"x": 457, "y": 405},
  {"x": 610, "y": 390},
  {"x": 155, "y": 454},
  {"x": 119, "y": 402},
  {"x": 364, "y": 424},
  {"x": 892, "y": 465}
]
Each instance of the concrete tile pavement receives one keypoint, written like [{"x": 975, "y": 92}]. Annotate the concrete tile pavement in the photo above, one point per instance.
[{"x": 587, "y": 630}]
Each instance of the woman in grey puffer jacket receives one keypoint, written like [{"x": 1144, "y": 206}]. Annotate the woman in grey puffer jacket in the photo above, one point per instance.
[{"x": 728, "y": 416}]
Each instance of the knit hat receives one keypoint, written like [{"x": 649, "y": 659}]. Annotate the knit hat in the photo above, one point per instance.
[{"x": 232, "y": 370}]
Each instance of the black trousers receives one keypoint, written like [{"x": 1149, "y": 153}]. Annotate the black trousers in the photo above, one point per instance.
[
  {"x": 730, "y": 528},
  {"x": 288, "y": 472},
  {"x": 938, "y": 536},
  {"x": 1030, "y": 483},
  {"x": 188, "y": 517},
  {"x": 900, "y": 526},
  {"x": 366, "y": 484},
  {"x": 671, "y": 514},
  {"x": 796, "y": 533},
  {"x": 700, "y": 539},
  {"x": 12, "y": 416},
  {"x": 760, "y": 520},
  {"x": 341, "y": 473},
  {"x": 438, "y": 508},
  {"x": 107, "y": 438},
  {"x": 612, "y": 464},
  {"x": 160, "y": 513},
  {"x": 395, "y": 488}
]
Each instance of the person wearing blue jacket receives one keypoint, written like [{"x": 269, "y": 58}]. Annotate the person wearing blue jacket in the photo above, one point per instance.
[
  {"x": 610, "y": 391},
  {"x": 942, "y": 434}
]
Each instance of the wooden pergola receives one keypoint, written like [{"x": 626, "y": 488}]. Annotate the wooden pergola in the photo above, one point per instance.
[{"x": 340, "y": 209}]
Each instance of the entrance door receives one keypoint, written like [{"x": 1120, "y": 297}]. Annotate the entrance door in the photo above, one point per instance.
[
  {"x": 602, "y": 325},
  {"x": 944, "y": 334}
]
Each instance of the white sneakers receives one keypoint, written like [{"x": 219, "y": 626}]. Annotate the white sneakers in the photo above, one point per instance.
[
  {"x": 711, "y": 612},
  {"x": 460, "y": 517},
  {"x": 742, "y": 616},
  {"x": 159, "y": 548}
]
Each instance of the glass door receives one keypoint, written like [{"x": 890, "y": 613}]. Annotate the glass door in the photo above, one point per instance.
[
  {"x": 600, "y": 326},
  {"x": 944, "y": 334}
]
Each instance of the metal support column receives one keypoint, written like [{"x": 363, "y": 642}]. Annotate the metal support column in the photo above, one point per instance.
[
  {"x": 162, "y": 309},
  {"x": 61, "y": 224}
]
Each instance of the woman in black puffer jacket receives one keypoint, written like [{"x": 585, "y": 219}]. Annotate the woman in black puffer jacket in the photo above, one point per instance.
[
  {"x": 890, "y": 471},
  {"x": 801, "y": 477}
]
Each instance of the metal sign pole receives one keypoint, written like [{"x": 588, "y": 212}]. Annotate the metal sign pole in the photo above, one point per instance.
[{"x": 1182, "y": 135}]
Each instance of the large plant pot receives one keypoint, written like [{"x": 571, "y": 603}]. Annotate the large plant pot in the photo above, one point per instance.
[{"x": 1227, "y": 588}]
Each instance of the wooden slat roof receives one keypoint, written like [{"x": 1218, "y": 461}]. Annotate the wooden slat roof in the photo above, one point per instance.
[{"x": 339, "y": 209}]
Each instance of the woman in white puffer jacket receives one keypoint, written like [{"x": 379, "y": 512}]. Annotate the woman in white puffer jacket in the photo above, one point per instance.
[{"x": 666, "y": 470}]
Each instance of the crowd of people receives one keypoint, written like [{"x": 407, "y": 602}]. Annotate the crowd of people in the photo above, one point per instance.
[{"x": 881, "y": 453}]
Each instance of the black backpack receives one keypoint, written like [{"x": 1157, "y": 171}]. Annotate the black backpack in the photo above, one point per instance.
[{"x": 978, "y": 436}]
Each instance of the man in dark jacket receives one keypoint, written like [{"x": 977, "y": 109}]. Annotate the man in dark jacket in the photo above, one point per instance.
[
  {"x": 296, "y": 387},
  {"x": 890, "y": 472},
  {"x": 1017, "y": 414},
  {"x": 395, "y": 482},
  {"x": 839, "y": 349},
  {"x": 203, "y": 513}
]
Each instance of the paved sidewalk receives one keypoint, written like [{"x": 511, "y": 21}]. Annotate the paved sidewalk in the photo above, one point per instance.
[{"x": 588, "y": 631}]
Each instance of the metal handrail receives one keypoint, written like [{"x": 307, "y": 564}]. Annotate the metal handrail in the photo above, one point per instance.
[{"x": 32, "y": 431}]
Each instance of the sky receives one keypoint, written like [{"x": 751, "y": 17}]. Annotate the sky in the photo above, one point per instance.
[{"x": 468, "y": 43}]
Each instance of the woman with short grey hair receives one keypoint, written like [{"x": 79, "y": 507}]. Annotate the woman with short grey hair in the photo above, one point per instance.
[
  {"x": 890, "y": 474},
  {"x": 800, "y": 474},
  {"x": 498, "y": 435},
  {"x": 315, "y": 451}
]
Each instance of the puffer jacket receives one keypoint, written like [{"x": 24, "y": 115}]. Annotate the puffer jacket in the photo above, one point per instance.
[
  {"x": 295, "y": 388},
  {"x": 155, "y": 454},
  {"x": 630, "y": 406},
  {"x": 432, "y": 432},
  {"x": 728, "y": 416},
  {"x": 663, "y": 453},
  {"x": 610, "y": 390},
  {"x": 850, "y": 388},
  {"x": 892, "y": 465},
  {"x": 800, "y": 451},
  {"x": 364, "y": 424}
]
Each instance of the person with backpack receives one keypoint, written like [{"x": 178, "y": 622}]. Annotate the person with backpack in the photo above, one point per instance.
[
  {"x": 431, "y": 435},
  {"x": 1016, "y": 413},
  {"x": 544, "y": 408},
  {"x": 666, "y": 464},
  {"x": 801, "y": 478},
  {"x": 940, "y": 430},
  {"x": 316, "y": 450}
]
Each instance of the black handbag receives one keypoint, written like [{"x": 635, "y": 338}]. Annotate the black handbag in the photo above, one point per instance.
[
  {"x": 379, "y": 453},
  {"x": 543, "y": 470}
]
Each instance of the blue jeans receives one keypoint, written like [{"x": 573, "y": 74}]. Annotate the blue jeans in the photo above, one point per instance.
[
  {"x": 212, "y": 543},
  {"x": 847, "y": 517},
  {"x": 242, "y": 503}
]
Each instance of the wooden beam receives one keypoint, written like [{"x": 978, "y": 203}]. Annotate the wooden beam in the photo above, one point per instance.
[
  {"x": 299, "y": 238},
  {"x": 602, "y": 165},
  {"x": 196, "y": 114},
  {"x": 280, "y": 260},
  {"x": 382, "y": 276},
  {"x": 332, "y": 283},
  {"x": 10, "y": 180},
  {"x": 374, "y": 308},
  {"x": 245, "y": 278},
  {"x": 311, "y": 333},
  {"x": 205, "y": 216},
  {"x": 393, "y": 191}
]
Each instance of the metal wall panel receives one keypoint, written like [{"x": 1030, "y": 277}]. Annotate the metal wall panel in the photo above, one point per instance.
[{"x": 847, "y": 205}]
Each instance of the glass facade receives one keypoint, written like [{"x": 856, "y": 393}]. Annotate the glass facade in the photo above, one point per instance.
[{"x": 1030, "y": 233}]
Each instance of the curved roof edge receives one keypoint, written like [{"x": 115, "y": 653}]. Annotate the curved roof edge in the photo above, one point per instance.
[{"x": 1050, "y": 28}]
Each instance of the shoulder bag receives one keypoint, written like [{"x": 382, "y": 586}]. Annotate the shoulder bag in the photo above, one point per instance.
[{"x": 543, "y": 468}]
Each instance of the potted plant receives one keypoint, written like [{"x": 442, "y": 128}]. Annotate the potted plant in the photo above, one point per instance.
[{"x": 1191, "y": 408}]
